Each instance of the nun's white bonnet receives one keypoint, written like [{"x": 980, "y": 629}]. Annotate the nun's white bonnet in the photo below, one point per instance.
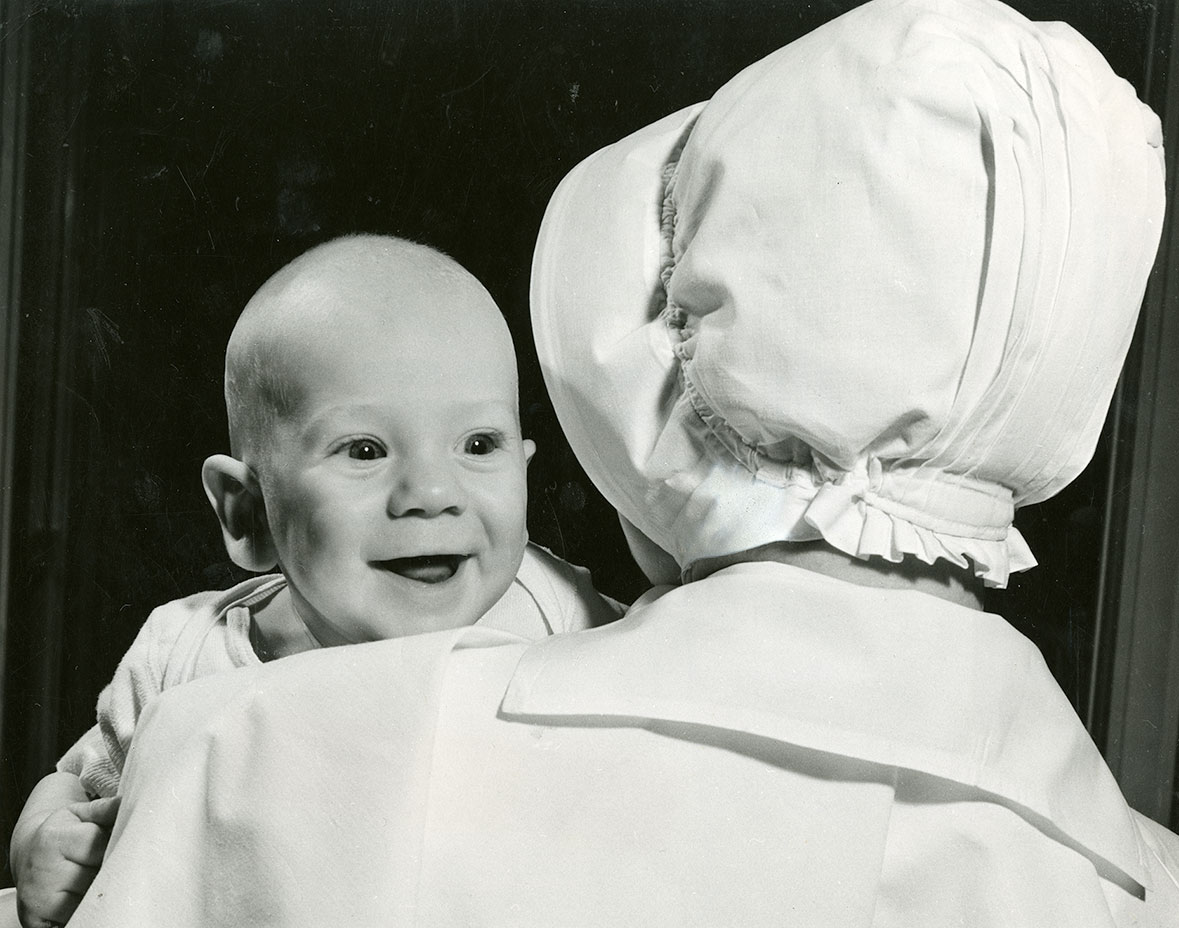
[{"x": 877, "y": 291}]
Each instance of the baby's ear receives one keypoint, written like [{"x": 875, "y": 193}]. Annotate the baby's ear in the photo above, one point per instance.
[
  {"x": 236, "y": 497},
  {"x": 529, "y": 450}
]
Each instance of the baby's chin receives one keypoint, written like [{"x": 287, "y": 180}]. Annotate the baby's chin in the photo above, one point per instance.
[
  {"x": 385, "y": 625},
  {"x": 418, "y": 623}
]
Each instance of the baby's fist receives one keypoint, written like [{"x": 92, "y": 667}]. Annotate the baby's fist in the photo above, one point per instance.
[{"x": 61, "y": 860}]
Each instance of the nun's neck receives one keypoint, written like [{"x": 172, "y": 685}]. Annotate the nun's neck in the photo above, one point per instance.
[{"x": 941, "y": 579}]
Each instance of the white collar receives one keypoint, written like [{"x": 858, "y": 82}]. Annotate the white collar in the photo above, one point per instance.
[{"x": 891, "y": 677}]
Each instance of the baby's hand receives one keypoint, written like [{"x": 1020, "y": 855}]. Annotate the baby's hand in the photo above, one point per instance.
[{"x": 60, "y": 861}]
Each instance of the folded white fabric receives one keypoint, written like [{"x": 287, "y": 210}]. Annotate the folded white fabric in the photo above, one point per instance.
[{"x": 877, "y": 291}]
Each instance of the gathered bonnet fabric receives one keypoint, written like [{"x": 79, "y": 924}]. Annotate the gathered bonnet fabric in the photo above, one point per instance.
[{"x": 876, "y": 291}]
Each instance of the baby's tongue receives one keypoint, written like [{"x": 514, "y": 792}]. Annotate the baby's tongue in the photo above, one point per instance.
[{"x": 426, "y": 569}]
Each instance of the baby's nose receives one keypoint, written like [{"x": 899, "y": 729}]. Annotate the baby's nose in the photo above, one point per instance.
[{"x": 425, "y": 487}]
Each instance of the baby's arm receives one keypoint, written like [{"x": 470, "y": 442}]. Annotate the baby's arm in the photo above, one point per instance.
[
  {"x": 58, "y": 842},
  {"x": 57, "y": 846}
]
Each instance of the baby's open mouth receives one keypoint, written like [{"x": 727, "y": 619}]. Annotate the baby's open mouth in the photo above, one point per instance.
[{"x": 426, "y": 568}]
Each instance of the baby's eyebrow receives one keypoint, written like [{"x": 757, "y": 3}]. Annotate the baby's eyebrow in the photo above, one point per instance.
[
  {"x": 485, "y": 407},
  {"x": 330, "y": 419}
]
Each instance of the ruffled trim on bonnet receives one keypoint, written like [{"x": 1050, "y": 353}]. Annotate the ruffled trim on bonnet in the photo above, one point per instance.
[{"x": 878, "y": 509}]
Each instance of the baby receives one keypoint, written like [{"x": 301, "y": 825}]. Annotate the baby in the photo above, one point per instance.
[{"x": 377, "y": 460}]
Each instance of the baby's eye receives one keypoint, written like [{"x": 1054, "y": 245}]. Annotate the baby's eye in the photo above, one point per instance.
[
  {"x": 483, "y": 443},
  {"x": 364, "y": 449}
]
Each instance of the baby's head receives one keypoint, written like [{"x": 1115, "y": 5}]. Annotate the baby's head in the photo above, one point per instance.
[{"x": 376, "y": 458}]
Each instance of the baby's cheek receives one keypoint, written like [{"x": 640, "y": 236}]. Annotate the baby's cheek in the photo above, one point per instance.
[
  {"x": 508, "y": 536},
  {"x": 315, "y": 546},
  {"x": 502, "y": 505}
]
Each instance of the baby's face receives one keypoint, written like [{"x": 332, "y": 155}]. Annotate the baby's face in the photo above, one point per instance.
[{"x": 395, "y": 492}]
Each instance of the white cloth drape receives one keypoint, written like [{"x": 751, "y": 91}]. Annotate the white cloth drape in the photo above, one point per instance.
[{"x": 765, "y": 746}]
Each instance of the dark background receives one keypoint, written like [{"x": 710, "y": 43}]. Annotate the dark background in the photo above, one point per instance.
[{"x": 177, "y": 153}]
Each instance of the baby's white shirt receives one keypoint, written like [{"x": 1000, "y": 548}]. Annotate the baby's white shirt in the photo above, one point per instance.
[{"x": 209, "y": 633}]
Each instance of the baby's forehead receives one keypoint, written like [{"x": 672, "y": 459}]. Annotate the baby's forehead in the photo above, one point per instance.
[
  {"x": 387, "y": 355},
  {"x": 400, "y": 290},
  {"x": 367, "y": 303}
]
